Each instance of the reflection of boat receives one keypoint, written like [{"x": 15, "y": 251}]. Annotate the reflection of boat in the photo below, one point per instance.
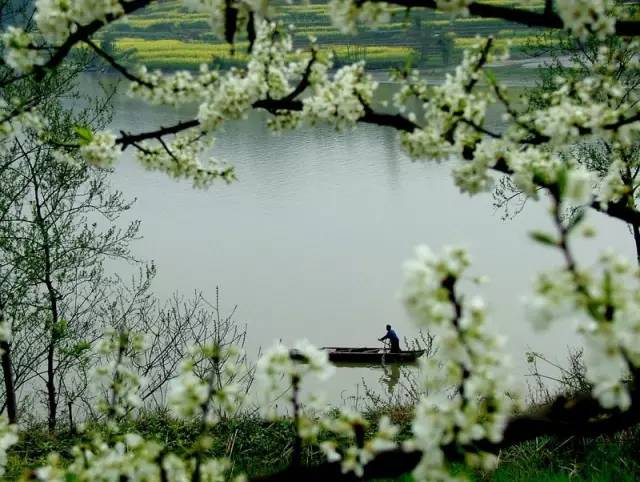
[{"x": 370, "y": 355}]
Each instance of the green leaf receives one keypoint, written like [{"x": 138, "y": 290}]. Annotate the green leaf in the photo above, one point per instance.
[
  {"x": 59, "y": 329},
  {"x": 543, "y": 238},
  {"x": 563, "y": 178},
  {"x": 576, "y": 219},
  {"x": 491, "y": 76},
  {"x": 78, "y": 350},
  {"x": 84, "y": 133},
  {"x": 408, "y": 63}
]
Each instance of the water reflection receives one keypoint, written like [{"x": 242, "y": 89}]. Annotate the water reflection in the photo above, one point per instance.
[
  {"x": 391, "y": 377},
  {"x": 387, "y": 375}
]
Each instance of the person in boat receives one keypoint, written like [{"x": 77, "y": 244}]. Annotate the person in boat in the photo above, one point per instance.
[{"x": 393, "y": 338}]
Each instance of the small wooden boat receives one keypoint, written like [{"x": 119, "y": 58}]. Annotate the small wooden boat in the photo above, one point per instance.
[{"x": 370, "y": 355}]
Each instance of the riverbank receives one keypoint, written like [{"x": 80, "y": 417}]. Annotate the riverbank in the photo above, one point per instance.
[{"x": 257, "y": 447}]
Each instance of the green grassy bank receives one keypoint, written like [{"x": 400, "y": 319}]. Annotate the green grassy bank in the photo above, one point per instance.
[{"x": 259, "y": 447}]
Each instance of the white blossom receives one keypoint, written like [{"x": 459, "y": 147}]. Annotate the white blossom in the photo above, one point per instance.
[
  {"x": 342, "y": 100},
  {"x": 356, "y": 455},
  {"x": 450, "y": 112},
  {"x": 346, "y": 14},
  {"x": 584, "y": 17},
  {"x": 101, "y": 150},
  {"x": 280, "y": 366},
  {"x": 579, "y": 188},
  {"x": 612, "y": 188},
  {"x": 116, "y": 381},
  {"x": 212, "y": 395},
  {"x": 8, "y": 437},
  {"x": 19, "y": 53},
  {"x": 472, "y": 362}
]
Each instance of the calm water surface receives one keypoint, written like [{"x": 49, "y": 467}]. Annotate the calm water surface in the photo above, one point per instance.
[{"x": 310, "y": 241}]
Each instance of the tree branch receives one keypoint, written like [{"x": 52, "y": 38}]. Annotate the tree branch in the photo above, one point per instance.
[
  {"x": 580, "y": 416},
  {"x": 82, "y": 33},
  {"x": 127, "y": 139},
  {"x": 114, "y": 63},
  {"x": 530, "y": 18}
]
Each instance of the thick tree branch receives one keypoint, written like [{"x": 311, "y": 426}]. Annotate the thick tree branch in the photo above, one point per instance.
[
  {"x": 396, "y": 121},
  {"x": 519, "y": 15},
  {"x": 619, "y": 210},
  {"x": 580, "y": 416},
  {"x": 127, "y": 139},
  {"x": 304, "y": 81}
]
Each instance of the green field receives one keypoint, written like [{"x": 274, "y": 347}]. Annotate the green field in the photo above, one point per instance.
[{"x": 167, "y": 35}]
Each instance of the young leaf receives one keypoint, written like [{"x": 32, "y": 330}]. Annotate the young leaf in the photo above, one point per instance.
[
  {"x": 491, "y": 76},
  {"x": 84, "y": 133},
  {"x": 543, "y": 238},
  {"x": 576, "y": 219}
]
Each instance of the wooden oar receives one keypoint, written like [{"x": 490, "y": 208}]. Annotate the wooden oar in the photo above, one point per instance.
[{"x": 384, "y": 351}]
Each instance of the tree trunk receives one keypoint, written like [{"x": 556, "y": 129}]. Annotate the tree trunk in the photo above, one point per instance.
[
  {"x": 7, "y": 372},
  {"x": 53, "y": 306},
  {"x": 51, "y": 389},
  {"x": 636, "y": 238},
  {"x": 52, "y": 395}
]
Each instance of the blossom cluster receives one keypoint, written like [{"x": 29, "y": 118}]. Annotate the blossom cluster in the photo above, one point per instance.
[
  {"x": 179, "y": 88},
  {"x": 281, "y": 367},
  {"x": 180, "y": 158},
  {"x": 116, "y": 381},
  {"x": 56, "y": 21},
  {"x": 131, "y": 458},
  {"x": 341, "y": 101},
  {"x": 211, "y": 397},
  {"x": 101, "y": 150},
  {"x": 19, "y": 52},
  {"x": 604, "y": 306},
  {"x": 586, "y": 17},
  {"x": 8, "y": 438},
  {"x": 450, "y": 111},
  {"x": 359, "y": 452},
  {"x": 129, "y": 455},
  {"x": 468, "y": 385},
  {"x": 347, "y": 14}
]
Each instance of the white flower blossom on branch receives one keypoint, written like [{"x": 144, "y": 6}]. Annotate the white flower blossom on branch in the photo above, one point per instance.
[{"x": 472, "y": 364}]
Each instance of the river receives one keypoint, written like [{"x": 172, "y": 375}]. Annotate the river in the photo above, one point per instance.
[{"x": 310, "y": 240}]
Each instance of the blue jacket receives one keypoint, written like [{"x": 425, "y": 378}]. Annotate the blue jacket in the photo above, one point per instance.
[{"x": 391, "y": 335}]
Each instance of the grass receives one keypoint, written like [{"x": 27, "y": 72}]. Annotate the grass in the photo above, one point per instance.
[
  {"x": 258, "y": 447},
  {"x": 602, "y": 459}
]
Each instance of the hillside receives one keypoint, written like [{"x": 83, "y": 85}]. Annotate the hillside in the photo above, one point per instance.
[{"x": 169, "y": 36}]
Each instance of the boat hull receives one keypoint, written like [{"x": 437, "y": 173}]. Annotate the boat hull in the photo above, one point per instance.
[{"x": 371, "y": 355}]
